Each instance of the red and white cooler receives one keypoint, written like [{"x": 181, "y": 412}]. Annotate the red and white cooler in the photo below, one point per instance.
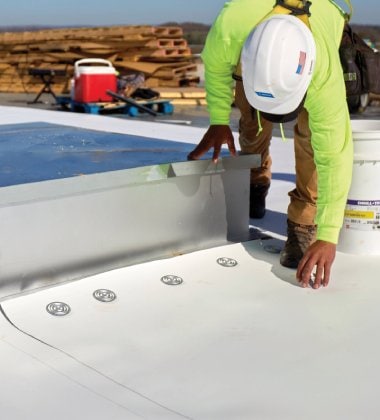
[{"x": 92, "y": 78}]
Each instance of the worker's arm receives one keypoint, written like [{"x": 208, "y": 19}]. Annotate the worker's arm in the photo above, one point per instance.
[
  {"x": 219, "y": 93},
  {"x": 333, "y": 157},
  {"x": 220, "y": 56},
  {"x": 331, "y": 140},
  {"x": 218, "y": 81}
]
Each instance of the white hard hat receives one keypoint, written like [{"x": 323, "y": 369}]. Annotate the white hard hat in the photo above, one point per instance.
[{"x": 278, "y": 59}]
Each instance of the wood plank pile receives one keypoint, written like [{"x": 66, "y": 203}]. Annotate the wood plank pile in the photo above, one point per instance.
[
  {"x": 184, "y": 96},
  {"x": 160, "y": 52}
]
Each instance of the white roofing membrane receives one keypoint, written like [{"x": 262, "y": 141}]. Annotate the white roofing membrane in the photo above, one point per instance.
[{"x": 237, "y": 342}]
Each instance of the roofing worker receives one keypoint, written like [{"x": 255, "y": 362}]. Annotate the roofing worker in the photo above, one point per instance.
[{"x": 290, "y": 70}]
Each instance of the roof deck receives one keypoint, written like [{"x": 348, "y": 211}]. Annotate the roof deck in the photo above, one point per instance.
[{"x": 217, "y": 331}]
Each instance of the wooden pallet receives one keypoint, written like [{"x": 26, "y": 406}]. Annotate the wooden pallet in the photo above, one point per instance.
[
  {"x": 161, "y": 53},
  {"x": 162, "y": 107}
]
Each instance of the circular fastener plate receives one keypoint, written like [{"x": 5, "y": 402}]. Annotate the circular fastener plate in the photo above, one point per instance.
[
  {"x": 58, "y": 308},
  {"x": 227, "y": 262},
  {"x": 104, "y": 295},
  {"x": 272, "y": 249},
  {"x": 271, "y": 245},
  {"x": 171, "y": 280}
]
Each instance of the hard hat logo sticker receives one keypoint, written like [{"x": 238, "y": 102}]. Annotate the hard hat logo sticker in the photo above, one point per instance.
[
  {"x": 264, "y": 94},
  {"x": 301, "y": 62}
]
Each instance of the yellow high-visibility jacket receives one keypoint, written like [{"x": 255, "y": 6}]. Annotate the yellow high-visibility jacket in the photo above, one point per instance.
[{"x": 326, "y": 103}]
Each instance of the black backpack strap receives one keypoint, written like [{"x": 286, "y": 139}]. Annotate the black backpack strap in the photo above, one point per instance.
[{"x": 296, "y": 11}]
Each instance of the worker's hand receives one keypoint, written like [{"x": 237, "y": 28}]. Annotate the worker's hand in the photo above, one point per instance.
[
  {"x": 215, "y": 137},
  {"x": 320, "y": 254}
]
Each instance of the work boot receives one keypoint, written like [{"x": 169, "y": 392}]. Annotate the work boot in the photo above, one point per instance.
[
  {"x": 258, "y": 193},
  {"x": 300, "y": 237}
]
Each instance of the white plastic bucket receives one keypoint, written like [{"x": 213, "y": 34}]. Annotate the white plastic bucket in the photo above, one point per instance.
[{"x": 360, "y": 233}]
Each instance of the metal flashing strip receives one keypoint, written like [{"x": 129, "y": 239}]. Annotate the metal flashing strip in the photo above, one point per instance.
[
  {"x": 208, "y": 167},
  {"x": 88, "y": 184},
  {"x": 81, "y": 225},
  {"x": 43, "y": 161}
]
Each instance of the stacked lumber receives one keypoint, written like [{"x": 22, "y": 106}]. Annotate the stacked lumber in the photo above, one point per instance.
[
  {"x": 160, "y": 52},
  {"x": 184, "y": 96}
]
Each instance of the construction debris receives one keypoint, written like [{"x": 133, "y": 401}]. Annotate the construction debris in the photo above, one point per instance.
[{"x": 159, "y": 52}]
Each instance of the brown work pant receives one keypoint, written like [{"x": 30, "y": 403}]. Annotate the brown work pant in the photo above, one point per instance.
[{"x": 302, "y": 207}]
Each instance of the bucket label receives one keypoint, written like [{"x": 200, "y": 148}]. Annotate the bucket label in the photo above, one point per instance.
[{"x": 362, "y": 215}]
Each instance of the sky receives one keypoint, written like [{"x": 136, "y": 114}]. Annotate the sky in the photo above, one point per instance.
[{"x": 135, "y": 12}]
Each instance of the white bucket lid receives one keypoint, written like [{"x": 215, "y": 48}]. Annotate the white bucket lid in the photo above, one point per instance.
[
  {"x": 366, "y": 136},
  {"x": 366, "y": 129}
]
